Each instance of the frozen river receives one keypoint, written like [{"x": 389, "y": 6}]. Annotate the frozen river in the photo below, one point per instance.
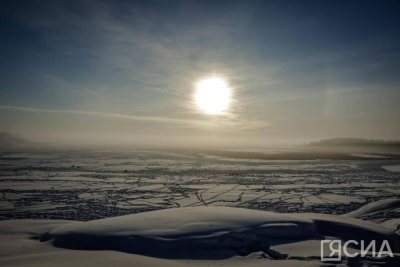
[{"x": 89, "y": 185}]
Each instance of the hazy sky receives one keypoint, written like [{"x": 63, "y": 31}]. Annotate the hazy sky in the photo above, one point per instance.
[{"x": 124, "y": 71}]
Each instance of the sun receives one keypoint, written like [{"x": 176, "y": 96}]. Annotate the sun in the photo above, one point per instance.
[{"x": 213, "y": 95}]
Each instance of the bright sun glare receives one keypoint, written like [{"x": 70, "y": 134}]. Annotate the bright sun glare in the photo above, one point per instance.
[{"x": 213, "y": 95}]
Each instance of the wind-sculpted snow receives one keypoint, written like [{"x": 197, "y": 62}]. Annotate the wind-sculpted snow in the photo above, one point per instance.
[
  {"x": 195, "y": 236},
  {"x": 92, "y": 185},
  {"x": 177, "y": 233},
  {"x": 196, "y": 232},
  {"x": 385, "y": 207}
]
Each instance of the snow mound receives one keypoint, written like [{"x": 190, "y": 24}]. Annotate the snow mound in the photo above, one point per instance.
[
  {"x": 393, "y": 224},
  {"x": 212, "y": 233},
  {"x": 201, "y": 232},
  {"x": 392, "y": 168},
  {"x": 375, "y": 207},
  {"x": 200, "y": 236}
]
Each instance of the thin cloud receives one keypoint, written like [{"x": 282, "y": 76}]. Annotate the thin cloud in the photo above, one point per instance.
[
  {"x": 99, "y": 114},
  {"x": 165, "y": 120}
]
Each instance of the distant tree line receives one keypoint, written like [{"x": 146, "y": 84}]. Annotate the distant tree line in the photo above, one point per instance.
[{"x": 356, "y": 142}]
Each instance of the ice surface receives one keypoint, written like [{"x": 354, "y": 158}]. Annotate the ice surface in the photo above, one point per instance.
[{"x": 87, "y": 185}]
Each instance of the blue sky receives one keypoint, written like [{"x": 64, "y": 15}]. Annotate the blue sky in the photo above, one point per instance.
[{"x": 101, "y": 71}]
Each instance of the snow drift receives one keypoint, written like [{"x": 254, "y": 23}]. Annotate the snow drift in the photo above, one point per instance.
[{"x": 204, "y": 235}]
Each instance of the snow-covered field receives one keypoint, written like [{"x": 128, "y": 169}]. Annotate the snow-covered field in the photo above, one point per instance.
[{"x": 203, "y": 210}]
